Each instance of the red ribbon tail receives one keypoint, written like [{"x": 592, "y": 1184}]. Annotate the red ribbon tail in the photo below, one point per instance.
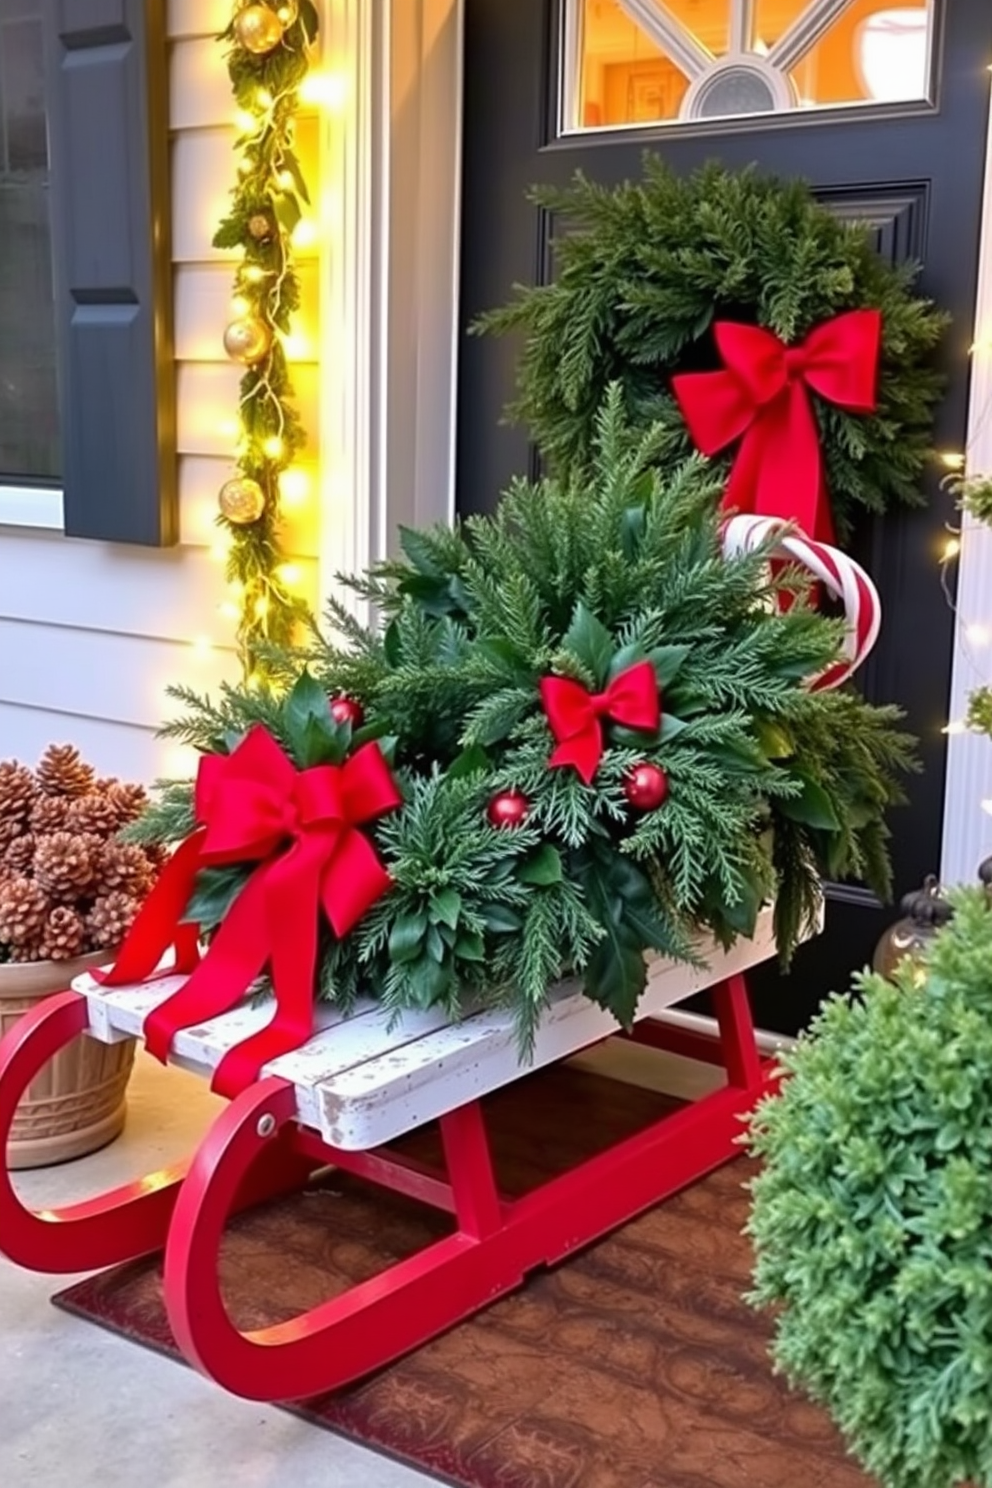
[
  {"x": 583, "y": 752},
  {"x": 353, "y": 881},
  {"x": 236, "y": 956},
  {"x": 159, "y": 922}
]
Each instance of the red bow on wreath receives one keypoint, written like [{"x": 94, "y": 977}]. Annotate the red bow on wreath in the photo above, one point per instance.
[
  {"x": 301, "y": 827},
  {"x": 761, "y": 396},
  {"x": 575, "y": 715}
]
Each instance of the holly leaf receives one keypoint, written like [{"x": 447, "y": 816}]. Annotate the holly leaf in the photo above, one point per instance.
[
  {"x": 543, "y": 869},
  {"x": 287, "y": 209},
  {"x": 589, "y": 640},
  {"x": 428, "y": 982},
  {"x": 501, "y": 919},
  {"x": 446, "y": 906},
  {"x": 214, "y": 893},
  {"x": 670, "y": 726},
  {"x": 616, "y": 976},
  {"x": 471, "y": 761},
  {"x": 622, "y": 900},
  {"x": 314, "y": 737},
  {"x": 813, "y": 808},
  {"x": 775, "y": 741},
  {"x": 407, "y": 936},
  {"x": 470, "y": 946},
  {"x": 290, "y": 162}
]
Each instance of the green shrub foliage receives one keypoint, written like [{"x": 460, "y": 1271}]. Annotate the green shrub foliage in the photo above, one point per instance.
[
  {"x": 872, "y": 1216},
  {"x": 770, "y": 783},
  {"x": 643, "y": 270}
]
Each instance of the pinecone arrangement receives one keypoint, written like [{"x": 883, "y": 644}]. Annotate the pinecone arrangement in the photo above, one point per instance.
[{"x": 67, "y": 884}]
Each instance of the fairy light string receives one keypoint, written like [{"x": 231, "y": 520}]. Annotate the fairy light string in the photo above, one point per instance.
[{"x": 268, "y": 48}]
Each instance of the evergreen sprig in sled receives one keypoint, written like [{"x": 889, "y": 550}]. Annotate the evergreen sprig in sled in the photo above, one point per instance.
[{"x": 557, "y": 790}]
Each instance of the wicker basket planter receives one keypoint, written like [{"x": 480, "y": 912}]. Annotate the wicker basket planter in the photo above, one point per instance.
[{"x": 79, "y": 1101}]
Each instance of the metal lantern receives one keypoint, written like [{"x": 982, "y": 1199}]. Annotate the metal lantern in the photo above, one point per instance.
[{"x": 923, "y": 914}]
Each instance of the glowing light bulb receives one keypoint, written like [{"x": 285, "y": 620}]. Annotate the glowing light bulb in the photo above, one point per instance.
[
  {"x": 952, "y": 548},
  {"x": 264, "y": 98},
  {"x": 294, "y": 486},
  {"x": 987, "y": 806},
  {"x": 953, "y": 459},
  {"x": 305, "y": 233},
  {"x": 245, "y": 121},
  {"x": 325, "y": 89},
  {"x": 219, "y": 551},
  {"x": 229, "y": 611},
  {"x": 239, "y": 307},
  {"x": 285, "y": 180},
  {"x": 254, "y": 682},
  {"x": 297, "y": 347},
  {"x": 201, "y": 647},
  {"x": 290, "y": 574},
  {"x": 253, "y": 273},
  {"x": 244, "y": 167},
  {"x": 273, "y": 447},
  {"x": 261, "y": 607},
  {"x": 956, "y": 726}
]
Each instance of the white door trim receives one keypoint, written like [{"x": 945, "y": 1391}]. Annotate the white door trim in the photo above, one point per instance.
[
  {"x": 967, "y": 827},
  {"x": 390, "y": 215}
]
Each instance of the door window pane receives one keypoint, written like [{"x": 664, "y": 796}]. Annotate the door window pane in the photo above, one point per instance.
[
  {"x": 662, "y": 61},
  {"x": 29, "y": 424}
]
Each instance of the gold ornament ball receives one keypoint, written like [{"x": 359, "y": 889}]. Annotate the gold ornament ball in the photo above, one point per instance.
[
  {"x": 241, "y": 500},
  {"x": 288, "y": 13},
  {"x": 247, "y": 340},
  {"x": 258, "y": 29}
]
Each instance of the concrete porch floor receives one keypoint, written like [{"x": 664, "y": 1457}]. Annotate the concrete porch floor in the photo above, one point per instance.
[{"x": 82, "y": 1408}]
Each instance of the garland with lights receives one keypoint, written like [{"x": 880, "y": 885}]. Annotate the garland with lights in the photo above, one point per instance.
[
  {"x": 743, "y": 319},
  {"x": 267, "y": 60},
  {"x": 585, "y": 730}
]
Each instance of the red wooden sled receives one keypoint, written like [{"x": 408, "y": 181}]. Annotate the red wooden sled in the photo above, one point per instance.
[{"x": 355, "y": 1087}]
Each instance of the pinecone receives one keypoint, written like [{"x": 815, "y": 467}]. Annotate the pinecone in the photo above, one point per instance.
[
  {"x": 33, "y": 950},
  {"x": 10, "y": 830},
  {"x": 111, "y": 918},
  {"x": 92, "y": 813},
  {"x": 17, "y": 791},
  {"x": 64, "y": 935},
  {"x": 123, "y": 865},
  {"x": 65, "y": 864},
  {"x": 24, "y": 907},
  {"x": 20, "y": 853},
  {"x": 48, "y": 814},
  {"x": 129, "y": 801},
  {"x": 61, "y": 772}
]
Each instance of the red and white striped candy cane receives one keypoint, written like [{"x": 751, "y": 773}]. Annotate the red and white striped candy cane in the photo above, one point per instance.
[{"x": 840, "y": 574}]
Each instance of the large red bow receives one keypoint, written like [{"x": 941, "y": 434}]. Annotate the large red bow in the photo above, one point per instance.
[
  {"x": 762, "y": 393},
  {"x": 301, "y": 827},
  {"x": 632, "y": 699}
]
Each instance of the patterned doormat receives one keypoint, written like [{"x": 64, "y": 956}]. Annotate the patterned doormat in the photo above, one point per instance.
[{"x": 633, "y": 1365}]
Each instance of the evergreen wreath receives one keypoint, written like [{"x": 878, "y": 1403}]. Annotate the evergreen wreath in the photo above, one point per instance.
[
  {"x": 507, "y": 873},
  {"x": 872, "y": 1214},
  {"x": 645, "y": 269}
]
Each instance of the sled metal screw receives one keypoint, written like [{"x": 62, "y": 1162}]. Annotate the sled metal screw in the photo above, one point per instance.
[{"x": 266, "y": 1125}]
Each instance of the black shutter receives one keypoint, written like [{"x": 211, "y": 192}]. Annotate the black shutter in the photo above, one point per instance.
[{"x": 109, "y": 145}]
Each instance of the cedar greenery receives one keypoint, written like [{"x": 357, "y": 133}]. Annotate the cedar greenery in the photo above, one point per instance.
[
  {"x": 269, "y": 189},
  {"x": 770, "y": 783},
  {"x": 644, "y": 269},
  {"x": 872, "y": 1215}
]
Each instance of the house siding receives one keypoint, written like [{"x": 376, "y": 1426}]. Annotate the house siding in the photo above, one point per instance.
[{"x": 92, "y": 633}]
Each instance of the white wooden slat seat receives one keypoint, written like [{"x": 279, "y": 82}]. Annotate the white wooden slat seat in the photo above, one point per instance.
[{"x": 367, "y": 1078}]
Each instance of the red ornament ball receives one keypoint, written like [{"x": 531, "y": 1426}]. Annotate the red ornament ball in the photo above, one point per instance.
[
  {"x": 646, "y": 787},
  {"x": 508, "y": 809},
  {"x": 346, "y": 710}
]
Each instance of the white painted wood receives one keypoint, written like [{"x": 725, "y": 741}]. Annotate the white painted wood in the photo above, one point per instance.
[
  {"x": 197, "y": 17},
  {"x": 207, "y": 402},
  {"x": 363, "y": 1080},
  {"x": 967, "y": 825},
  {"x": 203, "y": 306},
  {"x": 112, "y": 748},
  {"x": 31, "y": 506},
  {"x": 200, "y": 479},
  {"x": 119, "y": 678},
  {"x": 199, "y": 87},
  {"x": 104, "y": 586}
]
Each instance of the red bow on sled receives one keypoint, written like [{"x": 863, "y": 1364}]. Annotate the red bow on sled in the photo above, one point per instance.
[
  {"x": 302, "y": 828},
  {"x": 575, "y": 715},
  {"x": 761, "y": 396}
]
